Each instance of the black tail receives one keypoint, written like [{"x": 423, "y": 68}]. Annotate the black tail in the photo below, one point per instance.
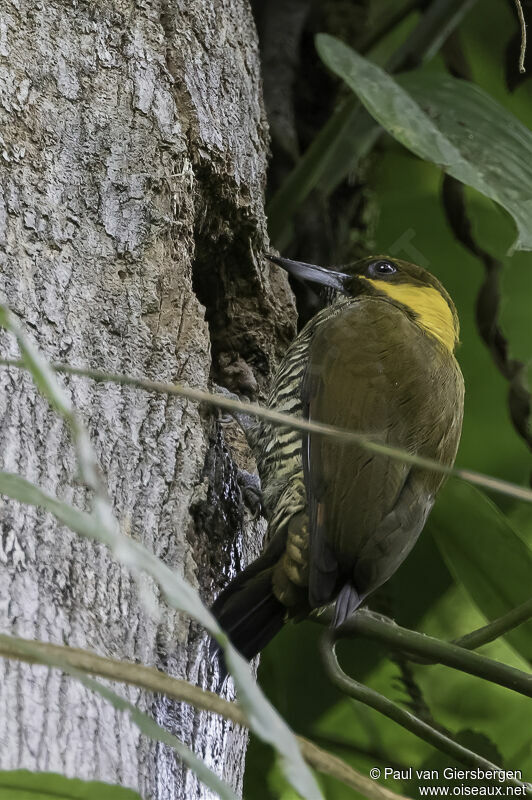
[{"x": 247, "y": 609}]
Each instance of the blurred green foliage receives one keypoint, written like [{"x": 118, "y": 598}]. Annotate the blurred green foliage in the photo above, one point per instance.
[
  {"x": 21, "y": 784},
  {"x": 403, "y": 216}
]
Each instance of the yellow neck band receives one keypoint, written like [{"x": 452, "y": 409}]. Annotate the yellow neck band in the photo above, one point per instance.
[{"x": 430, "y": 307}]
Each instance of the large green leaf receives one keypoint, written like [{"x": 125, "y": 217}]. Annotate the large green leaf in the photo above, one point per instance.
[
  {"x": 21, "y": 784},
  {"x": 449, "y": 122},
  {"x": 349, "y": 134},
  {"x": 485, "y": 554}
]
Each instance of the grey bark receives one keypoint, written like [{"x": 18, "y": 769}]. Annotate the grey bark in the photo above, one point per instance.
[{"x": 132, "y": 163}]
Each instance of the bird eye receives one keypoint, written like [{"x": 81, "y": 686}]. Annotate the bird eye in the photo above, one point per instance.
[{"x": 383, "y": 267}]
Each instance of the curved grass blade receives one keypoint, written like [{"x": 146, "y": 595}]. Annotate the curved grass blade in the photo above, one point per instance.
[{"x": 21, "y": 784}]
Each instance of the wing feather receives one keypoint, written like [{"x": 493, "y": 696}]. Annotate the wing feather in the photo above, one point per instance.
[{"x": 372, "y": 369}]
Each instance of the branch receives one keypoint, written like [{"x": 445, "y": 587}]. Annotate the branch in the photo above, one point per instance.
[
  {"x": 279, "y": 419},
  {"x": 497, "y": 627},
  {"x": 152, "y": 680},
  {"x": 469, "y": 641},
  {"x": 394, "y": 712},
  {"x": 374, "y": 626},
  {"x": 522, "y": 24}
]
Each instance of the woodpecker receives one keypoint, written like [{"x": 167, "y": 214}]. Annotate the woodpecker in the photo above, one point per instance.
[{"x": 378, "y": 359}]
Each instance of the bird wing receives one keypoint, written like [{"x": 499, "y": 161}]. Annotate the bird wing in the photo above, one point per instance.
[{"x": 373, "y": 370}]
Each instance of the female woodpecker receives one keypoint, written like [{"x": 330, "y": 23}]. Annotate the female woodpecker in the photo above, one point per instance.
[{"x": 378, "y": 360}]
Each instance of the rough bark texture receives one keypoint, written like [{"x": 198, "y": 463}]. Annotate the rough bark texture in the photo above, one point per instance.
[{"x": 133, "y": 153}]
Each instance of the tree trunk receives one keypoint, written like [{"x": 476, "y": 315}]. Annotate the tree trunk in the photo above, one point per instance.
[{"x": 134, "y": 148}]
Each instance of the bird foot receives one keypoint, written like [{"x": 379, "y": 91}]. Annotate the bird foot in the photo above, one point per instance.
[
  {"x": 251, "y": 492},
  {"x": 247, "y": 423}
]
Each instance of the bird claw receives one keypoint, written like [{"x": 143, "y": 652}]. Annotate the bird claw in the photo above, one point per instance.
[
  {"x": 226, "y": 415},
  {"x": 251, "y": 492},
  {"x": 247, "y": 423}
]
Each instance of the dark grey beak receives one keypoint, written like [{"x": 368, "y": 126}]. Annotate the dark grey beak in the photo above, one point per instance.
[{"x": 311, "y": 272}]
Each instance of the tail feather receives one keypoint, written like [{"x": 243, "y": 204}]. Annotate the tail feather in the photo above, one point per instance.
[
  {"x": 347, "y": 602},
  {"x": 249, "y": 612}
]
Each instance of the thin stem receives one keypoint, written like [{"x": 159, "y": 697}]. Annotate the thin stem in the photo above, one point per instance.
[
  {"x": 145, "y": 723},
  {"x": 296, "y": 423},
  {"x": 394, "y": 712},
  {"x": 149, "y": 678},
  {"x": 469, "y": 641},
  {"x": 497, "y": 627},
  {"x": 153, "y": 680},
  {"x": 376, "y": 627},
  {"x": 522, "y": 24}
]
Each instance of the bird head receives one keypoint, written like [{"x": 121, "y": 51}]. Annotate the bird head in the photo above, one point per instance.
[{"x": 417, "y": 291}]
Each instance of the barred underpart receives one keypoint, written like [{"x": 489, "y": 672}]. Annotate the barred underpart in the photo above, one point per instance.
[{"x": 279, "y": 449}]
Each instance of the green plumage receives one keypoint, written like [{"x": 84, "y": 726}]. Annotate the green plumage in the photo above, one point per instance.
[{"x": 342, "y": 519}]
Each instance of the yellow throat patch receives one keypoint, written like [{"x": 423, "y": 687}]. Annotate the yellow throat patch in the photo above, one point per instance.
[{"x": 430, "y": 307}]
